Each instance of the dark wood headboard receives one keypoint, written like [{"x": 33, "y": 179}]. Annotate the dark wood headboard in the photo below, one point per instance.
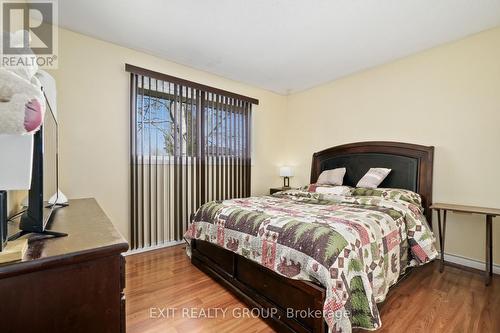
[{"x": 411, "y": 165}]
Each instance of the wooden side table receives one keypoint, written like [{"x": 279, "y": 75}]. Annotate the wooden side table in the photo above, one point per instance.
[
  {"x": 490, "y": 213},
  {"x": 278, "y": 189}
]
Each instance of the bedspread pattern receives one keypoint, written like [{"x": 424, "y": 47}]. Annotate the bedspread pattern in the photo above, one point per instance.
[{"x": 355, "y": 246}]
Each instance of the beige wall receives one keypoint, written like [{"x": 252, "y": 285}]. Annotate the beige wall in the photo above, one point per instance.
[
  {"x": 448, "y": 97},
  {"x": 93, "y": 106}
]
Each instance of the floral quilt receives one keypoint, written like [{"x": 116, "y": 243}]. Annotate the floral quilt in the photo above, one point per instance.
[{"x": 356, "y": 245}]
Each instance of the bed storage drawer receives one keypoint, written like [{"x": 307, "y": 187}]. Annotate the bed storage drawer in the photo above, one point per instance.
[
  {"x": 262, "y": 288},
  {"x": 221, "y": 257},
  {"x": 277, "y": 289}
]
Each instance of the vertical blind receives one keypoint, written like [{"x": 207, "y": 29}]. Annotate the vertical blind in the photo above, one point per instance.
[{"x": 190, "y": 144}]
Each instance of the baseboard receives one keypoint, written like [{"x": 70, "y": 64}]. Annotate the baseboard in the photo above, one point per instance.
[
  {"x": 153, "y": 248},
  {"x": 468, "y": 262}
]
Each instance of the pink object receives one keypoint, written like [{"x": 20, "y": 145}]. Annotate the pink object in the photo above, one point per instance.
[
  {"x": 312, "y": 188},
  {"x": 32, "y": 115}
]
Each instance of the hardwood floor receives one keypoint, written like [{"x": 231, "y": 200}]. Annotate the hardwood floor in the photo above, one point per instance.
[{"x": 427, "y": 301}]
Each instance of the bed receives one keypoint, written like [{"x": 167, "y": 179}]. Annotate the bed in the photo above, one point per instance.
[{"x": 312, "y": 262}]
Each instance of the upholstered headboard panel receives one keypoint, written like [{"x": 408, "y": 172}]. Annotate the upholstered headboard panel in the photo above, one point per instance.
[
  {"x": 404, "y": 172},
  {"x": 411, "y": 165}
]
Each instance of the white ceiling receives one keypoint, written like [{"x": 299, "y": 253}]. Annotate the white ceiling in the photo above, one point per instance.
[{"x": 280, "y": 45}]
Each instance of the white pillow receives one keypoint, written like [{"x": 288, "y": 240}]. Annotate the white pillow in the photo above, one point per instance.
[
  {"x": 335, "y": 190},
  {"x": 331, "y": 177},
  {"x": 373, "y": 178}
]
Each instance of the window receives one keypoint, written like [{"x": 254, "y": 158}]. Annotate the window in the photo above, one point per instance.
[{"x": 190, "y": 144}]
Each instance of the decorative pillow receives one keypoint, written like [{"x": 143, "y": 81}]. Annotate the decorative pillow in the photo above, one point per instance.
[
  {"x": 331, "y": 177},
  {"x": 373, "y": 177},
  {"x": 335, "y": 190},
  {"x": 390, "y": 193}
]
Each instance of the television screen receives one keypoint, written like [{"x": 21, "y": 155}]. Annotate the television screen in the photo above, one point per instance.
[
  {"x": 50, "y": 162},
  {"x": 43, "y": 193}
]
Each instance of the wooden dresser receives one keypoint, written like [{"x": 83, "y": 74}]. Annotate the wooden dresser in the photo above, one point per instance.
[{"x": 69, "y": 284}]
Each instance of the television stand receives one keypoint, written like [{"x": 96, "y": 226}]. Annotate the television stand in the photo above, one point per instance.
[
  {"x": 39, "y": 235},
  {"x": 26, "y": 220}
]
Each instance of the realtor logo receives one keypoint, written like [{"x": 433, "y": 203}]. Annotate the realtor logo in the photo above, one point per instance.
[{"x": 29, "y": 33}]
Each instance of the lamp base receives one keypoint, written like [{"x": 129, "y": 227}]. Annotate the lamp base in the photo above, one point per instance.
[{"x": 286, "y": 182}]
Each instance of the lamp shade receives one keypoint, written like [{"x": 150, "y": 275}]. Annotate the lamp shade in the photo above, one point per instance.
[
  {"x": 16, "y": 152},
  {"x": 286, "y": 171}
]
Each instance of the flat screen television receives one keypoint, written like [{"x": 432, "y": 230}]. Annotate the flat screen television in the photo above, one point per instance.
[{"x": 42, "y": 196}]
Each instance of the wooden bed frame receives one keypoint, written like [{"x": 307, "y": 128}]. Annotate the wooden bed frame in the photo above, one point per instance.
[{"x": 263, "y": 289}]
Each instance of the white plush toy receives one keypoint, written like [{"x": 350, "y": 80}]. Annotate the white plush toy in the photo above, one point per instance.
[{"x": 22, "y": 104}]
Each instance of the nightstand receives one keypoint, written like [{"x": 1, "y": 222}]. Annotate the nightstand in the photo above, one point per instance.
[
  {"x": 490, "y": 213},
  {"x": 278, "y": 189}
]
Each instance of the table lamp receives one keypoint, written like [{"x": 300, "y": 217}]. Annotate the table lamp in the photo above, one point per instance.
[{"x": 286, "y": 172}]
